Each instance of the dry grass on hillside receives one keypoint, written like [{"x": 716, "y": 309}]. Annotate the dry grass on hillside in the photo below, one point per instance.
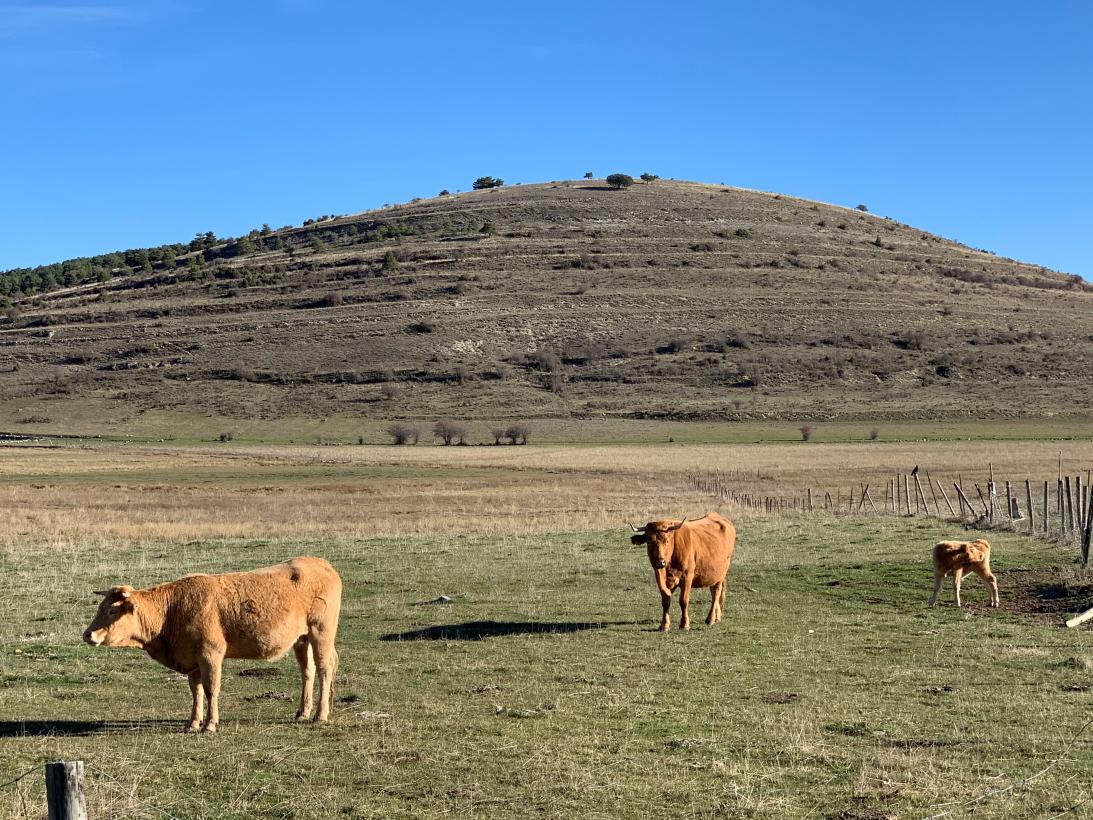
[{"x": 670, "y": 300}]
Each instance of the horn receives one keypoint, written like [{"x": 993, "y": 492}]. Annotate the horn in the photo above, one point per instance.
[
  {"x": 635, "y": 529},
  {"x": 677, "y": 526},
  {"x": 102, "y": 592}
]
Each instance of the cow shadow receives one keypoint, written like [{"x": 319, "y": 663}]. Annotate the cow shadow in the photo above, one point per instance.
[
  {"x": 480, "y": 630},
  {"x": 82, "y": 728}
]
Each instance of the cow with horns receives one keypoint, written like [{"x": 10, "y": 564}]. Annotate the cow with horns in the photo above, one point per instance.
[{"x": 688, "y": 554}]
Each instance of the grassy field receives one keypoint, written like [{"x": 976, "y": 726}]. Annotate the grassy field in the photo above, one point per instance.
[{"x": 541, "y": 689}]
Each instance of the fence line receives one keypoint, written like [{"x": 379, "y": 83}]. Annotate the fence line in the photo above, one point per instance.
[{"x": 1071, "y": 523}]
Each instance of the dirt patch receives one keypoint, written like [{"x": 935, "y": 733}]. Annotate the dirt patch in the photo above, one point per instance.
[{"x": 1046, "y": 595}]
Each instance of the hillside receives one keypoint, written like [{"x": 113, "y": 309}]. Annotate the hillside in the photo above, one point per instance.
[{"x": 667, "y": 300}]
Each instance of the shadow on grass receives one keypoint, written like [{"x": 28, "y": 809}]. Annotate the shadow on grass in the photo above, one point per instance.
[
  {"x": 480, "y": 630},
  {"x": 82, "y": 728}
]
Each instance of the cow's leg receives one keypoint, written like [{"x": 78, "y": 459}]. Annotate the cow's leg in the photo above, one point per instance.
[
  {"x": 666, "y": 619},
  {"x": 210, "y": 666},
  {"x": 685, "y": 600},
  {"x": 306, "y": 658},
  {"x": 326, "y": 660},
  {"x": 939, "y": 576},
  {"x": 958, "y": 574},
  {"x": 715, "y": 603},
  {"x": 198, "y": 694},
  {"x": 992, "y": 584}
]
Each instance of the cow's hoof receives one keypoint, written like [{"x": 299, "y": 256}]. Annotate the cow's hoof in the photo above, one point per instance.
[
  {"x": 209, "y": 730},
  {"x": 322, "y": 719},
  {"x": 663, "y": 628},
  {"x": 193, "y": 728},
  {"x": 685, "y": 627},
  {"x": 302, "y": 717}
]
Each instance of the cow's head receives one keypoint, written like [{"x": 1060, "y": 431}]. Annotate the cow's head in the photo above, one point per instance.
[
  {"x": 659, "y": 539},
  {"x": 116, "y": 623}
]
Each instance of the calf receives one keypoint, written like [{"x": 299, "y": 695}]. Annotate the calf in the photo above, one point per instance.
[
  {"x": 957, "y": 557},
  {"x": 191, "y": 625}
]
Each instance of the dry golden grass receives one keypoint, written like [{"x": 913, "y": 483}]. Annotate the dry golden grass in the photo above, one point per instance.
[{"x": 68, "y": 494}]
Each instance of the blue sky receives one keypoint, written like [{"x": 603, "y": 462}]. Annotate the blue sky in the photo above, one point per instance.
[{"x": 125, "y": 124}]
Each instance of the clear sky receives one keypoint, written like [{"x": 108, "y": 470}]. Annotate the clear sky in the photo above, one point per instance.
[{"x": 127, "y": 123}]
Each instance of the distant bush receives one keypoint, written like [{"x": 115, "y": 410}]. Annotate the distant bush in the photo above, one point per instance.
[
  {"x": 488, "y": 229},
  {"x": 742, "y": 233},
  {"x": 331, "y": 300},
  {"x": 619, "y": 180},
  {"x": 864, "y": 208},
  {"x": 518, "y": 433},
  {"x": 498, "y": 433},
  {"x": 806, "y": 432},
  {"x": 225, "y": 437},
  {"x": 389, "y": 390},
  {"x": 449, "y": 431},
  {"x": 445, "y": 192},
  {"x": 390, "y": 261},
  {"x": 588, "y": 175},
  {"x": 873, "y": 434},
  {"x": 404, "y": 433},
  {"x": 421, "y": 327},
  {"x": 487, "y": 182},
  {"x": 647, "y": 178}
]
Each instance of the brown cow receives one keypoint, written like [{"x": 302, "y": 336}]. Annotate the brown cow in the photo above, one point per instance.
[
  {"x": 689, "y": 554},
  {"x": 192, "y": 624},
  {"x": 958, "y": 557}
]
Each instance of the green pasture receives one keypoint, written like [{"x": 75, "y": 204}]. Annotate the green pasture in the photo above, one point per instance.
[{"x": 541, "y": 689}]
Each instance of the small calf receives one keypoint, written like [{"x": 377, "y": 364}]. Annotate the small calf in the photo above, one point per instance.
[{"x": 958, "y": 557}]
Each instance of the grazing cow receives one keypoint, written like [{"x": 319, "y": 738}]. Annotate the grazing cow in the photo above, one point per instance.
[
  {"x": 689, "y": 554},
  {"x": 958, "y": 557},
  {"x": 192, "y": 624}
]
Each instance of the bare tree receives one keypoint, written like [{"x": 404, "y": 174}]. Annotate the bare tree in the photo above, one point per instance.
[
  {"x": 404, "y": 433},
  {"x": 449, "y": 431},
  {"x": 518, "y": 433}
]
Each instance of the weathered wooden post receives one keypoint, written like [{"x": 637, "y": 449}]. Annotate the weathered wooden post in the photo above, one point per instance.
[
  {"x": 1069, "y": 505},
  {"x": 964, "y": 502},
  {"x": 907, "y": 493},
  {"x": 944, "y": 495},
  {"x": 64, "y": 790},
  {"x": 1047, "y": 522},
  {"x": 1087, "y": 534},
  {"x": 991, "y": 491},
  {"x": 933, "y": 494},
  {"x": 1079, "y": 502},
  {"x": 1009, "y": 502},
  {"x": 1061, "y": 507},
  {"x": 1028, "y": 504}
]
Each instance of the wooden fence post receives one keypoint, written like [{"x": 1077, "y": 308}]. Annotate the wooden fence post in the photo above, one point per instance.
[
  {"x": 1087, "y": 535},
  {"x": 64, "y": 790},
  {"x": 952, "y": 512},
  {"x": 907, "y": 493},
  {"x": 920, "y": 496},
  {"x": 1047, "y": 523},
  {"x": 963, "y": 501},
  {"x": 1028, "y": 503},
  {"x": 899, "y": 498},
  {"x": 1079, "y": 501},
  {"x": 1009, "y": 502},
  {"x": 1069, "y": 505}
]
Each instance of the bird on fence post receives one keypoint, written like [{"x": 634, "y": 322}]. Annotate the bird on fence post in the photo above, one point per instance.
[{"x": 914, "y": 471}]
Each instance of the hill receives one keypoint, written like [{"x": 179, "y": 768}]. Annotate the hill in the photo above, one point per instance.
[{"x": 667, "y": 300}]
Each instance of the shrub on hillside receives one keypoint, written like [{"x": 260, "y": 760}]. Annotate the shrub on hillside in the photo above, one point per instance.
[
  {"x": 647, "y": 178},
  {"x": 806, "y": 432},
  {"x": 449, "y": 431},
  {"x": 518, "y": 433},
  {"x": 619, "y": 180},
  {"x": 487, "y": 182},
  {"x": 404, "y": 433}
]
